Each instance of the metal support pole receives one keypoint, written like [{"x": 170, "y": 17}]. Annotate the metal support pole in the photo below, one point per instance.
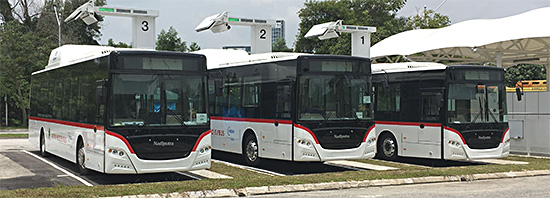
[
  {"x": 58, "y": 25},
  {"x": 6, "y": 101}
]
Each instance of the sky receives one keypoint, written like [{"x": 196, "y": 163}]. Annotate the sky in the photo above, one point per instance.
[{"x": 185, "y": 15}]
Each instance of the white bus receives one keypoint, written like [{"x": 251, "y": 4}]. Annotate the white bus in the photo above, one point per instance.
[
  {"x": 122, "y": 111},
  {"x": 431, "y": 110},
  {"x": 289, "y": 106}
]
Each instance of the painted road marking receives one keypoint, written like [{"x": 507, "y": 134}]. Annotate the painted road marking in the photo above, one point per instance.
[
  {"x": 59, "y": 168},
  {"x": 253, "y": 169},
  {"x": 360, "y": 165}
]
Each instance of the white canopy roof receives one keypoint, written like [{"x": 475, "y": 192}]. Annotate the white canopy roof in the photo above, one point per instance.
[{"x": 523, "y": 38}]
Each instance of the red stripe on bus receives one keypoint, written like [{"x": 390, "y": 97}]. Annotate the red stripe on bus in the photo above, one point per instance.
[
  {"x": 251, "y": 120},
  {"x": 87, "y": 126},
  {"x": 455, "y": 131},
  {"x": 309, "y": 131},
  {"x": 408, "y": 123},
  {"x": 69, "y": 123},
  {"x": 199, "y": 140},
  {"x": 504, "y": 134},
  {"x": 121, "y": 138},
  {"x": 368, "y": 131}
]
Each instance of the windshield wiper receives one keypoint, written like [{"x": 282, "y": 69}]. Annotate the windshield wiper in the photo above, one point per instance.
[
  {"x": 146, "y": 122},
  {"x": 327, "y": 116},
  {"x": 477, "y": 115},
  {"x": 178, "y": 118}
]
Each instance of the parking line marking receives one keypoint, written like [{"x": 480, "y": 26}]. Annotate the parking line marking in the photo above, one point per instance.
[
  {"x": 257, "y": 170},
  {"x": 59, "y": 168}
]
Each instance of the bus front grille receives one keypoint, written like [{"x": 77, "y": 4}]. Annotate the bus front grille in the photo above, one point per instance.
[{"x": 482, "y": 139}]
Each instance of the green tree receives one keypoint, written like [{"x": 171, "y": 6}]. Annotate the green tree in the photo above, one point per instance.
[
  {"x": 169, "y": 41},
  {"x": 378, "y": 13},
  {"x": 112, "y": 43},
  {"x": 194, "y": 47},
  {"x": 428, "y": 19},
  {"x": 280, "y": 46},
  {"x": 524, "y": 72},
  {"x": 28, "y": 33},
  {"x": 22, "y": 52}
]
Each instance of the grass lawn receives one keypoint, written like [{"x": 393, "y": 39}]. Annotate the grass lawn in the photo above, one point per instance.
[
  {"x": 243, "y": 178},
  {"x": 14, "y": 135}
]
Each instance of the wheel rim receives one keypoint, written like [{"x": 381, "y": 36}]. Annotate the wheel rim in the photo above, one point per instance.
[
  {"x": 388, "y": 146},
  {"x": 252, "y": 150},
  {"x": 81, "y": 157}
]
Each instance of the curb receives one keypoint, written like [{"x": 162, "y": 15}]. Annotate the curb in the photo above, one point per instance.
[{"x": 249, "y": 191}]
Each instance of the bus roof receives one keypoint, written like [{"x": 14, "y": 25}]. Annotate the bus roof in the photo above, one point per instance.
[
  {"x": 71, "y": 54},
  {"x": 406, "y": 66},
  {"x": 220, "y": 58}
]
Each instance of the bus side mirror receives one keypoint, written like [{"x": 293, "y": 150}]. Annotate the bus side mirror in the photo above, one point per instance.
[
  {"x": 518, "y": 93},
  {"x": 218, "y": 87}
]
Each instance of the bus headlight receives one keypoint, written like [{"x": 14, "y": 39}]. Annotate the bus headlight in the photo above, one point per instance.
[
  {"x": 455, "y": 144},
  {"x": 205, "y": 149},
  {"x": 304, "y": 142}
]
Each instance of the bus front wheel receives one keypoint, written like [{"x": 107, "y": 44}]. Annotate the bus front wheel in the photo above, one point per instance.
[
  {"x": 387, "y": 147},
  {"x": 81, "y": 158},
  {"x": 251, "y": 151}
]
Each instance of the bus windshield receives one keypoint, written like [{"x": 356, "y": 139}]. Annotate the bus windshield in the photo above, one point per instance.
[
  {"x": 157, "y": 100},
  {"x": 334, "y": 97},
  {"x": 477, "y": 103}
]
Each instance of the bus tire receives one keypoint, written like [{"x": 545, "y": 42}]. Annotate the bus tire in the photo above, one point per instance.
[
  {"x": 81, "y": 158},
  {"x": 387, "y": 147},
  {"x": 43, "y": 152},
  {"x": 251, "y": 150}
]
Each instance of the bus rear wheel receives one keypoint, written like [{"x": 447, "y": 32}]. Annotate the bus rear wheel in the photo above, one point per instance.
[
  {"x": 43, "y": 152},
  {"x": 81, "y": 158},
  {"x": 387, "y": 147},
  {"x": 251, "y": 151}
]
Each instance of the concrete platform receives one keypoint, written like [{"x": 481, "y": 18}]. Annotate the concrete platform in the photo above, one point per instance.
[
  {"x": 501, "y": 162},
  {"x": 209, "y": 174},
  {"x": 360, "y": 165}
]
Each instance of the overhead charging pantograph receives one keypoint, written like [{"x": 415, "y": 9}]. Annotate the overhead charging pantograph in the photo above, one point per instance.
[
  {"x": 260, "y": 29},
  {"x": 143, "y": 21},
  {"x": 360, "y": 35}
]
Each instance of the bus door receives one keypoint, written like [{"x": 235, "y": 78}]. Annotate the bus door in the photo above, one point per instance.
[
  {"x": 277, "y": 136},
  {"x": 429, "y": 131}
]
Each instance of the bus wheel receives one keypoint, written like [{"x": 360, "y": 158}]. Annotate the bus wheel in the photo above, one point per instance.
[
  {"x": 81, "y": 158},
  {"x": 250, "y": 151},
  {"x": 43, "y": 152},
  {"x": 387, "y": 147}
]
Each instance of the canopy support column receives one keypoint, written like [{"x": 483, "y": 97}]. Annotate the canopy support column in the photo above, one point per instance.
[
  {"x": 499, "y": 59},
  {"x": 547, "y": 67}
]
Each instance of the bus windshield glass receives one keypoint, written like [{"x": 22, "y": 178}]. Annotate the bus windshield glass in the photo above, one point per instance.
[
  {"x": 477, "y": 103},
  {"x": 157, "y": 100},
  {"x": 334, "y": 97}
]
